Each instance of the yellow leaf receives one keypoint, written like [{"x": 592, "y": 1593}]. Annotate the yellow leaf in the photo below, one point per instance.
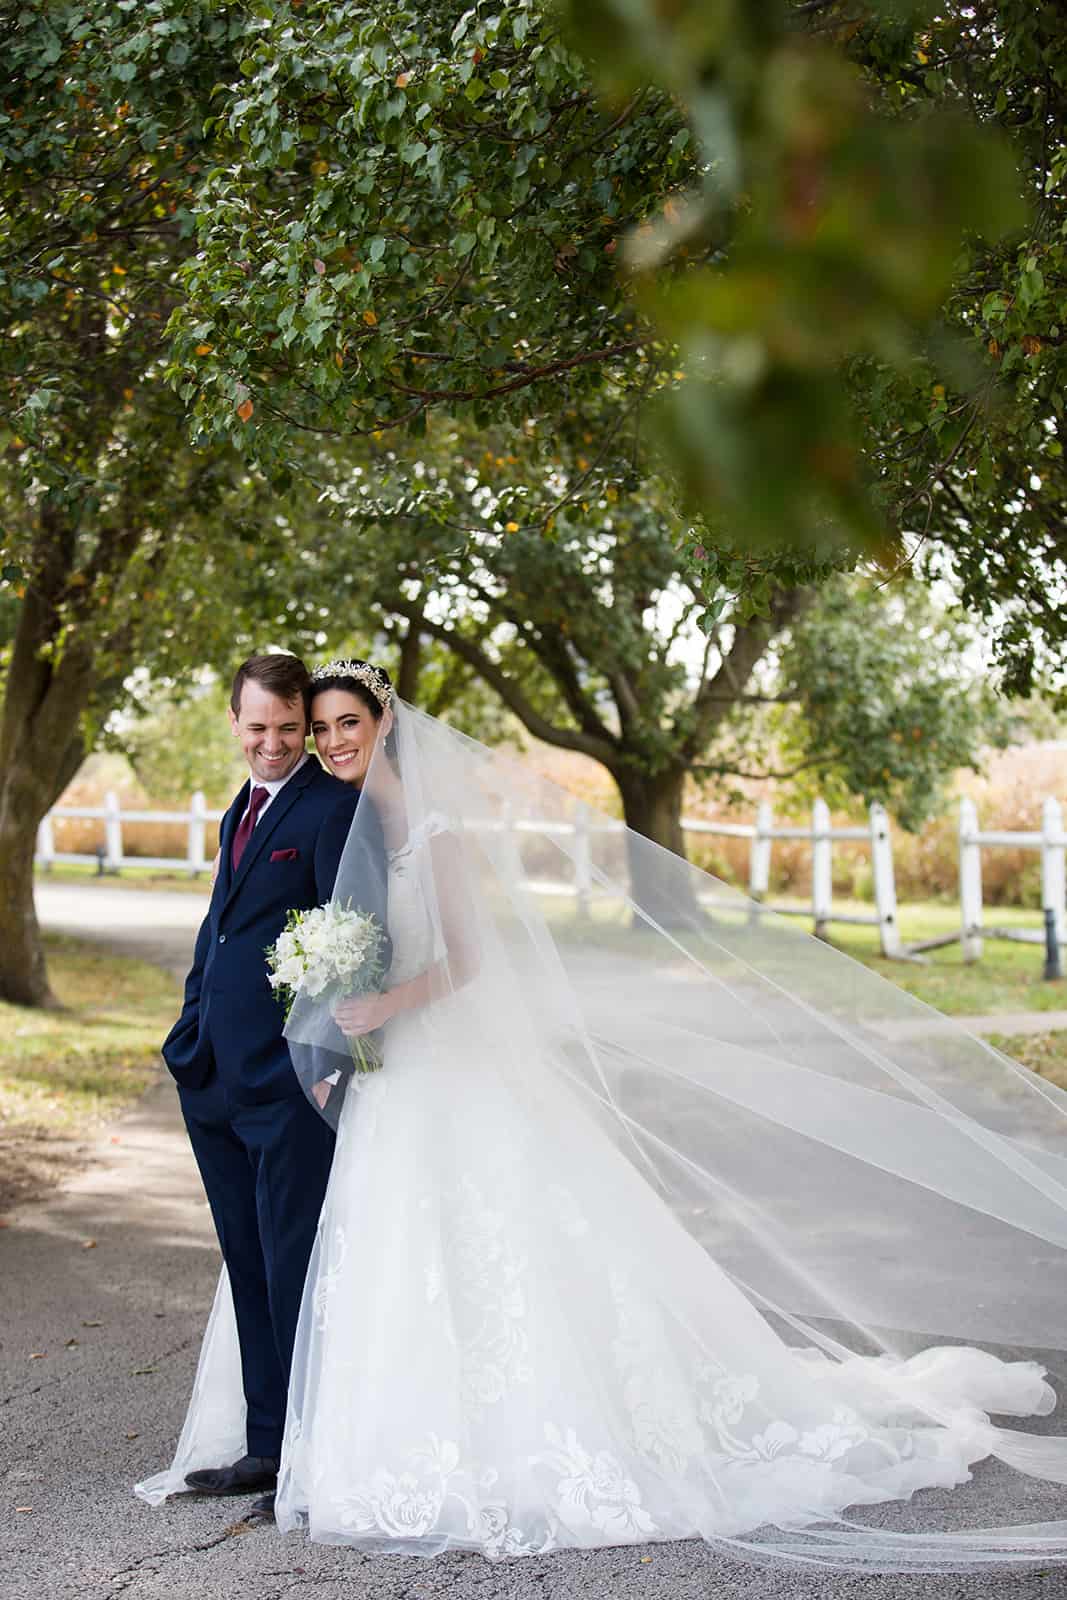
[
  {"x": 370, "y": 319},
  {"x": 403, "y": 79},
  {"x": 338, "y": 359},
  {"x": 120, "y": 272},
  {"x": 320, "y": 168},
  {"x": 204, "y": 349},
  {"x": 245, "y": 410},
  {"x": 511, "y": 527}
]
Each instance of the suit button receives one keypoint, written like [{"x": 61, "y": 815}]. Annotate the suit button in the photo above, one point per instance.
[{"x": 222, "y": 938}]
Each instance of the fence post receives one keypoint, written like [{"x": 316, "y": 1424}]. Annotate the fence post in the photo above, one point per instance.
[
  {"x": 1053, "y": 878},
  {"x": 583, "y": 863},
  {"x": 970, "y": 883},
  {"x": 46, "y": 844},
  {"x": 197, "y": 833},
  {"x": 822, "y": 867},
  {"x": 885, "y": 885},
  {"x": 112, "y": 832},
  {"x": 759, "y": 860}
]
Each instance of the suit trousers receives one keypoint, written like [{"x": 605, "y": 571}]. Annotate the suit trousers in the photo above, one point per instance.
[{"x": 265, "y": 1169}]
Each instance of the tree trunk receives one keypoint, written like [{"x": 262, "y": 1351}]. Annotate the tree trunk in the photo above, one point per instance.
[
  {"x": 652, "y": 808},
  {"x": 45, "y": 695},
  {"x": 26, "y": 794},
  {"x": 407, "y": 678}
]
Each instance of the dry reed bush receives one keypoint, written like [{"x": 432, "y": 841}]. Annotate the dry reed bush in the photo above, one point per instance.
[{"x": 83, "y": 835}]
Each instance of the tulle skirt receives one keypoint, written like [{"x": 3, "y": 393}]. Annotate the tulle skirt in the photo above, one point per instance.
[{"x": 509, "y": 1343}]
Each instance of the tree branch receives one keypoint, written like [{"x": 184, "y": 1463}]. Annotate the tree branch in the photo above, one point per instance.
[{"x": 509, "y": 692}]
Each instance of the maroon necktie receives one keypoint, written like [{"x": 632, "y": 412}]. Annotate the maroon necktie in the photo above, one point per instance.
[{"x": 248, "y": 822}]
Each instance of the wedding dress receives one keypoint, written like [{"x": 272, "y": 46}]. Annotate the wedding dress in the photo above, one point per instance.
[{"x": 640, "y": 1236}]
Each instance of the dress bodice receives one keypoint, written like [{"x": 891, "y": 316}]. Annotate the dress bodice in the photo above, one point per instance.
[{"x": 410, "y": 922}]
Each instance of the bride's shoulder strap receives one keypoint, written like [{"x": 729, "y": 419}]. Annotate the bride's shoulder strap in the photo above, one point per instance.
[{"x": 432, "y": 824}]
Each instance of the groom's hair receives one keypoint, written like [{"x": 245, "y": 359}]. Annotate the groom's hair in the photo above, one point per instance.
[{"x": 280, "y": 674}]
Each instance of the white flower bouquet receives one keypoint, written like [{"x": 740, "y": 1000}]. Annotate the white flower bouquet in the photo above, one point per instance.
[{"x": 334, "y": 951}]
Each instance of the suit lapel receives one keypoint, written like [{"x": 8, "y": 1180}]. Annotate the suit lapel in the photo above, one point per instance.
[
  {"x": 278, "y": 809},
  {"x": 226, "y": 833}
]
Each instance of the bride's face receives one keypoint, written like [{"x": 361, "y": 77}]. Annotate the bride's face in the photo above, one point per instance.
[{"x": 345, "y": 733}]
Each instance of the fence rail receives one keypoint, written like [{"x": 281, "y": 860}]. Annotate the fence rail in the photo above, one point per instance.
[{"x": 1050, "y": 840}]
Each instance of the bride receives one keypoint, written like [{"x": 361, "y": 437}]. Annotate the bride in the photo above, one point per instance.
[{"x": 643, "y": 1227}]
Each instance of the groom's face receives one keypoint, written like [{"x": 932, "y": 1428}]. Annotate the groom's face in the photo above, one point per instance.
[{"x": 271, "y": 731}]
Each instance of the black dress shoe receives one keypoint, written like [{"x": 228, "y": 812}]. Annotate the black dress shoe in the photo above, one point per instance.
[
  {"x": 261, "y": 1510},
  {"x": 242, "y": 1477}
]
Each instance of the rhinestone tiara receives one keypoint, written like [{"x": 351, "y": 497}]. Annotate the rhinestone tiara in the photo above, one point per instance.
[{"x": 361, "y": 672}]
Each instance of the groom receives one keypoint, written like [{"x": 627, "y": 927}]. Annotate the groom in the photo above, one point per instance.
[{"x": 264, "y": 1153}]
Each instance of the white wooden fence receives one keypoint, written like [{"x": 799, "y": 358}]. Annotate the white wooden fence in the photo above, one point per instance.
[
  {"x": 820, "y": 833},
  {"x": 111, "y": 856},
  {"x": 1052, "y": 844}
]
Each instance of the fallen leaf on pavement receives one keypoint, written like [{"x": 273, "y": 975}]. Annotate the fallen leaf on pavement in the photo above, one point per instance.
[
  {"x": 72, "y": 1344},
  {"x": 90, "y": 1244},
  {"x": 142, "y": 1372},
  {"x": 38, "y": 1355},
  {"x": 23, "y": 1508},
  {"x": 133, "y": 1436},
  {"x": 92, "y": 1324}
]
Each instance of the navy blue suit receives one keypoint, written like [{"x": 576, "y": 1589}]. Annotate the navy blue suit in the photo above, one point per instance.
[{"x": 264, "y": 1153}]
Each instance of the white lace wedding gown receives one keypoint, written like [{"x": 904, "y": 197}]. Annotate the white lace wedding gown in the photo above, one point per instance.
[{"x": 509, "y": 1344}]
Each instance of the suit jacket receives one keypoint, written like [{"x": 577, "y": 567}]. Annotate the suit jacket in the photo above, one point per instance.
[{"x": 231, "y": 1020}]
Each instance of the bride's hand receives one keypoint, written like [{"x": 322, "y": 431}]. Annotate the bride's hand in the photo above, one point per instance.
[{"x": 364, "y": 1014}]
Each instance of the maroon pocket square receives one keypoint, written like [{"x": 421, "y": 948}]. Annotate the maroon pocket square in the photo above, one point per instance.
[{"x": 285, "y": 855}]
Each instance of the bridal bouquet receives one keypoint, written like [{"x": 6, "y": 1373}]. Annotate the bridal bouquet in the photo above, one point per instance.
[{"x": 331, "y": 950}]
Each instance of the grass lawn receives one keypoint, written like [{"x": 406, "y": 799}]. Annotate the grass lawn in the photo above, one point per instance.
[
  {"x": 1045, "y": 1053},
  {"x": 62, "y": 1073},
  {"x": 1006, "y": 979},
  {"x": 129, "y": 878}
]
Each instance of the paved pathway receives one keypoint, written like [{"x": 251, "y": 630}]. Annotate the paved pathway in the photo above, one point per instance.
[{"x": 105, "y": 1288}]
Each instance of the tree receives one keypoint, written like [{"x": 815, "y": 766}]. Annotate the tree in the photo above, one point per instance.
[
  {"x": 108, "y": 514},
  {"x": 574, "y": 610},
  {"x": 428, "y": 209},
  {"x": 571, "y": 608},
  {"x": 882, "y": 696},
  {"x": 952, "y": 421},
  {"x": 297, "y": 220}
]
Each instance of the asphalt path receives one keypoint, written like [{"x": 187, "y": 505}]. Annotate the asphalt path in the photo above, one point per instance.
[{"x": 104, "y": 1290}]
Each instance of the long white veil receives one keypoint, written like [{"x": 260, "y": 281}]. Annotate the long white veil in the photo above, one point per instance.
[{"x": 871, "y": 1177}]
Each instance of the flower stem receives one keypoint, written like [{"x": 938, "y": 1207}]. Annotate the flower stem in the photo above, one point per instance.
[{"x": 365, "y": 1056}]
